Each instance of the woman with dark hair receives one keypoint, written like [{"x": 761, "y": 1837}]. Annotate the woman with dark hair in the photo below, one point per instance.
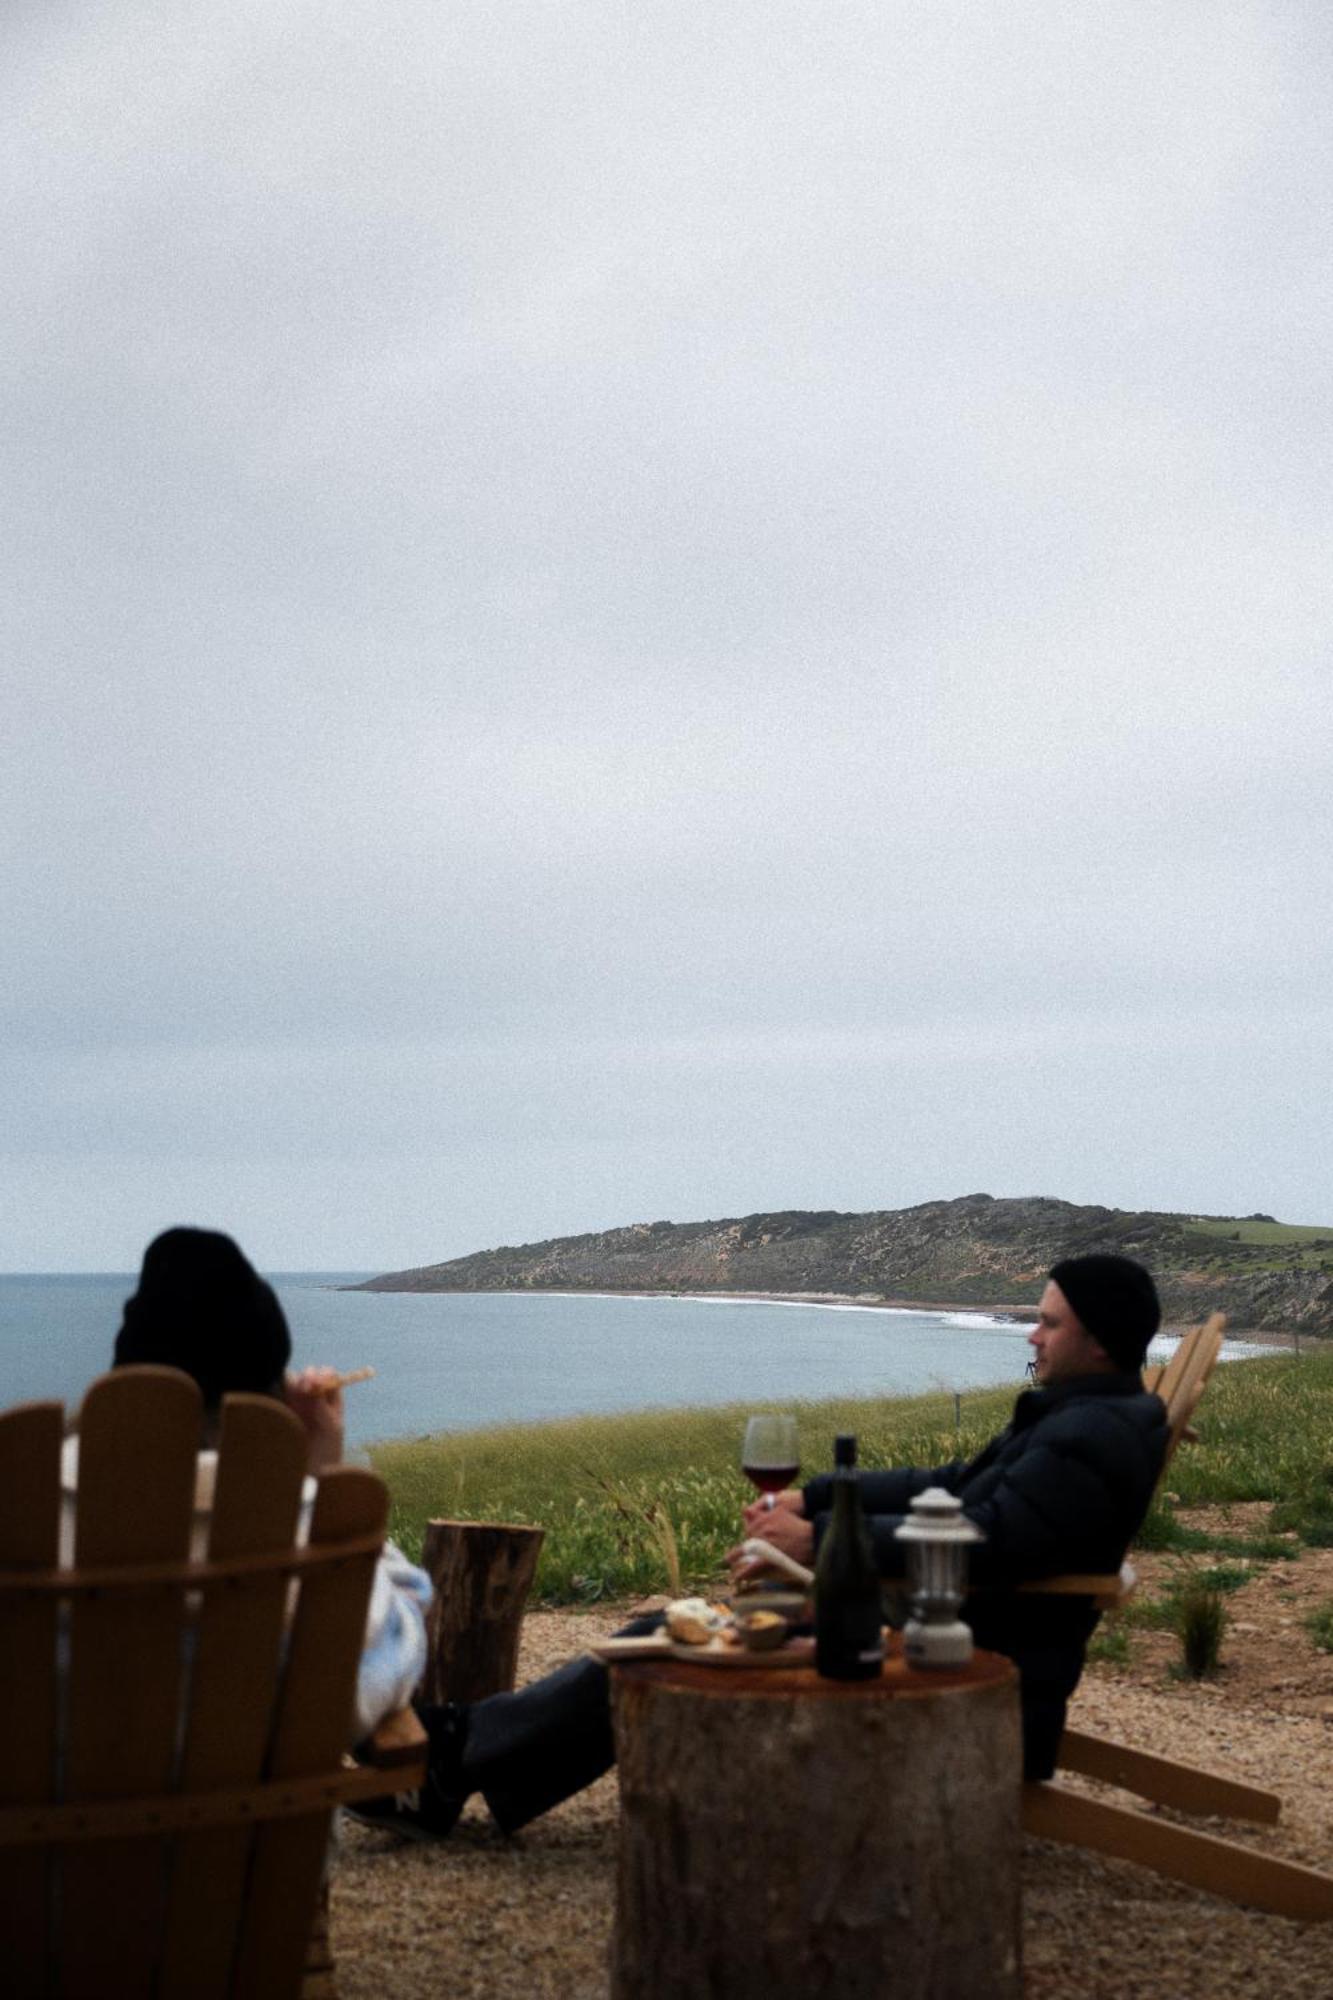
[{"x": 203, "y": 1308}]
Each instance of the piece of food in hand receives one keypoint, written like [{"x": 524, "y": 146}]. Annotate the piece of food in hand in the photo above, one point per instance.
[
  {"x": 762, "y": 1556},
  {"x": 761, "y": 1629},
  {"x": 693, "y": 1622}
]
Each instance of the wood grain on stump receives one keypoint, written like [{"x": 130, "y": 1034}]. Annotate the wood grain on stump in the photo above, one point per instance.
[
  {"x": 482, "y": 1572},
  {"x": 783, "y": 1835}
]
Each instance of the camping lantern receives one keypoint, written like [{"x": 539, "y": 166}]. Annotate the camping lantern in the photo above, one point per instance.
[{"x": 938, "y": 1537}]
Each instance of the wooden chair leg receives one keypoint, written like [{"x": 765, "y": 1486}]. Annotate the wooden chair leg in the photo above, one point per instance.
[
  {"x": 1164, "y": 1781},
  {"x": 319, "y": 1979},
  {"x": 1222, "y": 1867}
]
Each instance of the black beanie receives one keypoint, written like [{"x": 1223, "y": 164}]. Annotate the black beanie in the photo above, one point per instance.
[
  {"x": 1116, "y": 1301},
  {"x": 202, "y": 1307}
]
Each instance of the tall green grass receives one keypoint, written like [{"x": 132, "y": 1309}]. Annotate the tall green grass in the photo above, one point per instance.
[
  {"x": 593, "y": 1482},
  {"x": 1265, "y": 1433}
]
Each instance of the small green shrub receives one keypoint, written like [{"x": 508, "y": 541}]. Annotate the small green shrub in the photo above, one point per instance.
[
  {"x": 1166, "y": 1613},
  {"x": 1160, "y": 1530},
  {"x": 1201, "y": 1623},
  {"x": 1110, "y": 1643},
  {"x": 1259, "y": 1548},
  {"x": 1151, "y": 1614},
  {"x": 1319, "y": 1624},
  {"x": 1164, "y": 1533},
  {"x": 1308, "y": 1510},
  {"x": 1222, "y": 1577}
]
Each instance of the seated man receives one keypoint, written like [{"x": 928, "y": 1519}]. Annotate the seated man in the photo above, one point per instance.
[
  {"x": 1064, "y": 1487},
  {"x": 201, "y": 1307}
]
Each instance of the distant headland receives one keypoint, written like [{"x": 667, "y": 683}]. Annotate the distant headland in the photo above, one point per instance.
[{"x": 975, "y": 1251}]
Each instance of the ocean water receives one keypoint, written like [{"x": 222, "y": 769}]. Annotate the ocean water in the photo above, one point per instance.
[{"x": 457, "y": 1361}]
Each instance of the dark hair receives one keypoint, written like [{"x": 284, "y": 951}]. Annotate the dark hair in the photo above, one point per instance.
[
  {"x": 1115, "y": 1300},
  {"x": 203, "y": 1308}
]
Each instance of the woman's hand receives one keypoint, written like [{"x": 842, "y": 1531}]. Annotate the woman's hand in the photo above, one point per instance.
[{"x": 316, "y": 1398}]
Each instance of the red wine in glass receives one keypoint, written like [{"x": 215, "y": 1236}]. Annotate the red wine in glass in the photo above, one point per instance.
[
  {"x": 770, "y": 1458},
  {"x": 771, "y": 1478}
]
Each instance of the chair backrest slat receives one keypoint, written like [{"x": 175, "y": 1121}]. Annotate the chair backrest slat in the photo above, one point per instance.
[
  {"x": 138, "y": 1439},
  {"x": 256, "y": 1508},
  {"x": 314, "y": 1724},
  {"x": 1183, "y": 1380},
  {"x": 30, "y": 1440}
]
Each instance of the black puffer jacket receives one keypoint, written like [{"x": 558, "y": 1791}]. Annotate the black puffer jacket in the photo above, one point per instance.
[{"x": 1064, "y": 1487}]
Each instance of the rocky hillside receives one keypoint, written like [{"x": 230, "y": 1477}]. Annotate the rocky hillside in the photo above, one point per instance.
[{"x": 976, "y": 1250}]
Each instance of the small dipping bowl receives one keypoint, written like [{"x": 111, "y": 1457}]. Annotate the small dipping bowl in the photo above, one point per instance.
[{"x": 762, "y": 1630}]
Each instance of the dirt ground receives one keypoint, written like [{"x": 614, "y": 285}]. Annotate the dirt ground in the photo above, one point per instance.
[
  {"x": 478, "y": 1915},
  {"x": 1268, "y": 1660}
]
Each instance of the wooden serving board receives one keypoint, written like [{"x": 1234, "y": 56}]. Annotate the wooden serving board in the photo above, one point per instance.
[
  {"x": 657, "y": 1646},
  {"x": 653, "y": 1646},
  {"x": 791, "y": 1653}
]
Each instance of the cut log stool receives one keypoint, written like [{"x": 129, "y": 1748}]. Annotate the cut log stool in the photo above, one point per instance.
[
  {"x": 787, "y": 1838},
  {"x": 482, "y": 1572}
]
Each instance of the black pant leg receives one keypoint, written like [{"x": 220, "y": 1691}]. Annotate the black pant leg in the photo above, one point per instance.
[{"x": 529, "y": 1750}]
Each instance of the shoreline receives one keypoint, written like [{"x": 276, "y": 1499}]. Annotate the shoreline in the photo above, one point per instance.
[
  {"x": 1018, "y": 1315},
  {"x": 858, "y": 1301}
]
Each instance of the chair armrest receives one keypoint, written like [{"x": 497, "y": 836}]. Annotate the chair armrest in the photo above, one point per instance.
[{"x": 1106, "y": 1591}]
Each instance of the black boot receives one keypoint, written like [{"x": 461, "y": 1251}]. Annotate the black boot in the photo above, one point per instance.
[{"x": 428, "y": 1811}]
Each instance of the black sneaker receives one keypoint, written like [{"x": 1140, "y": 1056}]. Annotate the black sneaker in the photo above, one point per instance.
[{"x": 428, "y": 1811}]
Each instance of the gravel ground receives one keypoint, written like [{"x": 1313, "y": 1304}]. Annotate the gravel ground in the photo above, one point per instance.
[{"x": 478, "y": 1915}]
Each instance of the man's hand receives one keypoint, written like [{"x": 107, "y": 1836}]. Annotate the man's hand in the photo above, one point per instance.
[
  {"x": 758, "y": 1516},
  {"x": 785, "y": 1530},
  {"x": 318, "y": 1402}
]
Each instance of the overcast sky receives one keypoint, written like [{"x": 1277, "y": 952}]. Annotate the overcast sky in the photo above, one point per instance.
[{"x": 615, "y": 612}]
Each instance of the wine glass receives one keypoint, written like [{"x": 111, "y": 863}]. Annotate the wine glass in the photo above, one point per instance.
[{"x": 770, "y": 1458}]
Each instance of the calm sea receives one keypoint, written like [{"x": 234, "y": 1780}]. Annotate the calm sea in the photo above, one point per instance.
[{"x": 455, "y": 1361}]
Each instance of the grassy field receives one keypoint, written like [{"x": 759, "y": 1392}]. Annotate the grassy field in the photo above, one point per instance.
[
  {"x": 614, "y": 1492},
  {"x": 1290, "y": 1234},
  {"x": 1264, "y": 1246}
]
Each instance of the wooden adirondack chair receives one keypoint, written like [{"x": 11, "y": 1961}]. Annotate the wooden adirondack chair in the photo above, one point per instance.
[
  {"x": 1204, "y": 1861},
  {"x": 175, "y": 1724}
]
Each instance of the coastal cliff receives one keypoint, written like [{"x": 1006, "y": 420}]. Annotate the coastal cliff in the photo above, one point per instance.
[{"x": 976, "y": 1250}]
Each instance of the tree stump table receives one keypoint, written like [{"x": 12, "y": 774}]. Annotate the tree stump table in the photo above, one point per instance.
[
  {"x": 481, "y": 1572},
  {"x": 783, "y": 1835}
]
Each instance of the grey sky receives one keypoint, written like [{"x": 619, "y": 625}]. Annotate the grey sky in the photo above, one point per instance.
[{"x": 614, "y": 612}]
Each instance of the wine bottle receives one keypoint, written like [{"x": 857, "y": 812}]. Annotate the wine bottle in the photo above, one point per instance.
[{"x": 849, "y": 1614}]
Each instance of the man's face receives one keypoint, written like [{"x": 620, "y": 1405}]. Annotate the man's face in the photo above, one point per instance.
[{"x": 1062, "y": 1345}]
